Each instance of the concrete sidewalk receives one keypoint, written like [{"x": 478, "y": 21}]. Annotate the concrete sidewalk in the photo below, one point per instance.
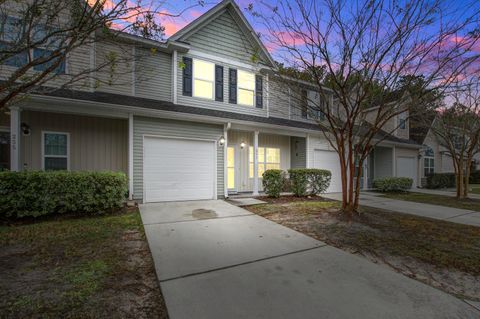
[
  {"x": 455, "y": 215},
  {"x": 216, "y": 260}
]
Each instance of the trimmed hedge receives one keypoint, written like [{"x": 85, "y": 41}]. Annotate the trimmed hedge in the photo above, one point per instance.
[
  {"x": 34, "y": 194},
  {"x": 393, "y": 184},
  {"x": 309, "y": 181},
  {"x": 443, "y": 180},
  {"x": 474, "y": 177},
  {"x": 273, "y": 182}
]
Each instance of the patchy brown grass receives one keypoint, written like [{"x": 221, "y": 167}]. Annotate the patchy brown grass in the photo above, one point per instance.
[
  {"x": 443, "y": 254},
  {"x": 84, "y": 267}
]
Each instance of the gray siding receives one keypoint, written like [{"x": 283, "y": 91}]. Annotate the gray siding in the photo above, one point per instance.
[
  {"x": 96, "y": 144},
  {"x": 383, "y": 162},
  {"x": 170, "y": 128},
  {"x": 153, "y": 74},
  {"x": 223, "y": 37},
  {"x": 212, "y": 104},
  {"x": 298, "y": 148}
]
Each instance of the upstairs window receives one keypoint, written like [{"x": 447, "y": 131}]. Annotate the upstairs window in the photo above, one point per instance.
[
  {"x": 55, "y": 151},
  {"x": 246, "y": 88},
  {"x": 402, "y": 121},
  {"x": 203, "y": 79},
  {"x": 10, "y": 32}
]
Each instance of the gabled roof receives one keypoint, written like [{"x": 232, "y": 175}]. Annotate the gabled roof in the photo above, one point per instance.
[{"x": 230, "y": 5}]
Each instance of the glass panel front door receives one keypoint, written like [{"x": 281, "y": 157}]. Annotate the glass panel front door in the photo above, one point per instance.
[{"x": 231, "y": 167}]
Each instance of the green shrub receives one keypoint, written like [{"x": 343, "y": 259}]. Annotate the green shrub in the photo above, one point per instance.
[
  {"x": 319, "y": 180},
  {"x": 298, "y": 181},
  {"x": 443, "y": 180},
  {"x": 309, "y": 180},
  {"x": 35, "y": 194},
  {"x": 393, "y": 184},
  {"x": 273, "y": 182}
]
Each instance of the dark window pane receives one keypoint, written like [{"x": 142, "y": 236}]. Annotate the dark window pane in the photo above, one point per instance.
[
  {"x": 38, "y": 53},
  {"x": 55, "y": 144},
  {"x": 16, "y": 60},
  {"x": 55, "y": 163}
]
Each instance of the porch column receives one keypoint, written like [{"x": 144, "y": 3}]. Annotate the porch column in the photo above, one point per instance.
[
  {"x": 255, "y": 163},
  {"x": 130, "y": 156},
  {"x": 15, "y": 137}
]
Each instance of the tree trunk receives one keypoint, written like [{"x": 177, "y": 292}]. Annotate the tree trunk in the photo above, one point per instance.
[
  {"x": 460, "y": 181},
  {"x": 356, "y": 203}
]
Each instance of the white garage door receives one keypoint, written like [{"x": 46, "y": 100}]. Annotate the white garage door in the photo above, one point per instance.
[
  {"x": 407, "y": 167},
  {"x": 178, "y": 169},
  {"x": 329, "y": 160}
]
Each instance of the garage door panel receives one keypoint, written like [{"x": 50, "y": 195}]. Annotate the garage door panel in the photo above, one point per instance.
[
  {"x": 178, "y": 169},
  {"x": 328, "y": 160}
]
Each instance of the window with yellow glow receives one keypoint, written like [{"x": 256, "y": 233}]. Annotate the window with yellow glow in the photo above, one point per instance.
[
  {"x": 268, "y": 158},
  {"x": 246, "y": 88},
  {"x": 203, "y": 79}
]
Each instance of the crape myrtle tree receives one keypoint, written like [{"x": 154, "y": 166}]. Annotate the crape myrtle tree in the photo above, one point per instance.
[
  {"x": 37, "y": 36},
  {"x": 457, "y": 127},
  {"x": 362, "y": 58}
]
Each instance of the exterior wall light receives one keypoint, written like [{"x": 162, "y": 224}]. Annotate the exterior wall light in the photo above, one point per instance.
[
  {"x": 242, "y": 145},
  {"x": 221, "y": 141}
]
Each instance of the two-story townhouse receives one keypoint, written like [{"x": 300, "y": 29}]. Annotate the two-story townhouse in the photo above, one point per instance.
[{"x": 200, "y": 119}]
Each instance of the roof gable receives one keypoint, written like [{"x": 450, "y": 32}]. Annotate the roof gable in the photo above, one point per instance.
[{"x": 225, "y": 29}]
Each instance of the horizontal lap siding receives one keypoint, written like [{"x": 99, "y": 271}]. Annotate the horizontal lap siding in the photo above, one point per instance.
[
  {"x": 223, "y": 36},
  {"x": 153, "y": 73},
  {"x": 170, "y": 128}
]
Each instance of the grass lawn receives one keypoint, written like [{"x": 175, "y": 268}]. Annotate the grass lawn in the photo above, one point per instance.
[
  {"x": 475, "y": 188},
  {"x": 86, "y": 267},
  {"x": 443, "y": 254},
  {"x": 443, "y": 200}
]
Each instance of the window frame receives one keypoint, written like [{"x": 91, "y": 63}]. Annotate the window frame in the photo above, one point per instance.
[
  {"x": 62, "y": 69},
  {"x": 430, "y": 168},
  {"x": 195, "y": 78},
  {"x": 55, "y": 156},
  {"x": 245, "y": 89},
  {"x": 264, "y": 162}
]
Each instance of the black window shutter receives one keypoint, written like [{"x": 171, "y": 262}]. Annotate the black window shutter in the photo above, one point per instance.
[
  {"x": 232, "y": 86},
  {"x": 304, "y": 104},
  {"x": 259, "y": 91},
  {"x": 219, "y": 83},
  {"x": 187, "y": 76}
]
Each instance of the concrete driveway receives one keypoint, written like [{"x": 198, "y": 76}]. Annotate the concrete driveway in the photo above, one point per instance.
[
  {"x": 216, "y": 260},
  {"x": 455, "y": 215}
]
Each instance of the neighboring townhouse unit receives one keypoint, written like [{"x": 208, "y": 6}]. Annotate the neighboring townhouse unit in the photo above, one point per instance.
[
  {"x": 192, "y": 128},
  {"x": 434, "y": 157}
]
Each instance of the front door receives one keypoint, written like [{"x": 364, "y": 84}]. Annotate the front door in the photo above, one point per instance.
[{"x": 231, "y": 176}]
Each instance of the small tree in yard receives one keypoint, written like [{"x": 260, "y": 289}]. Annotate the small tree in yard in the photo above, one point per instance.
[
  {"x": 36, "y": 36},
  {"x": 457, "y": 127},
  {"x": 359, "y": 57}
]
